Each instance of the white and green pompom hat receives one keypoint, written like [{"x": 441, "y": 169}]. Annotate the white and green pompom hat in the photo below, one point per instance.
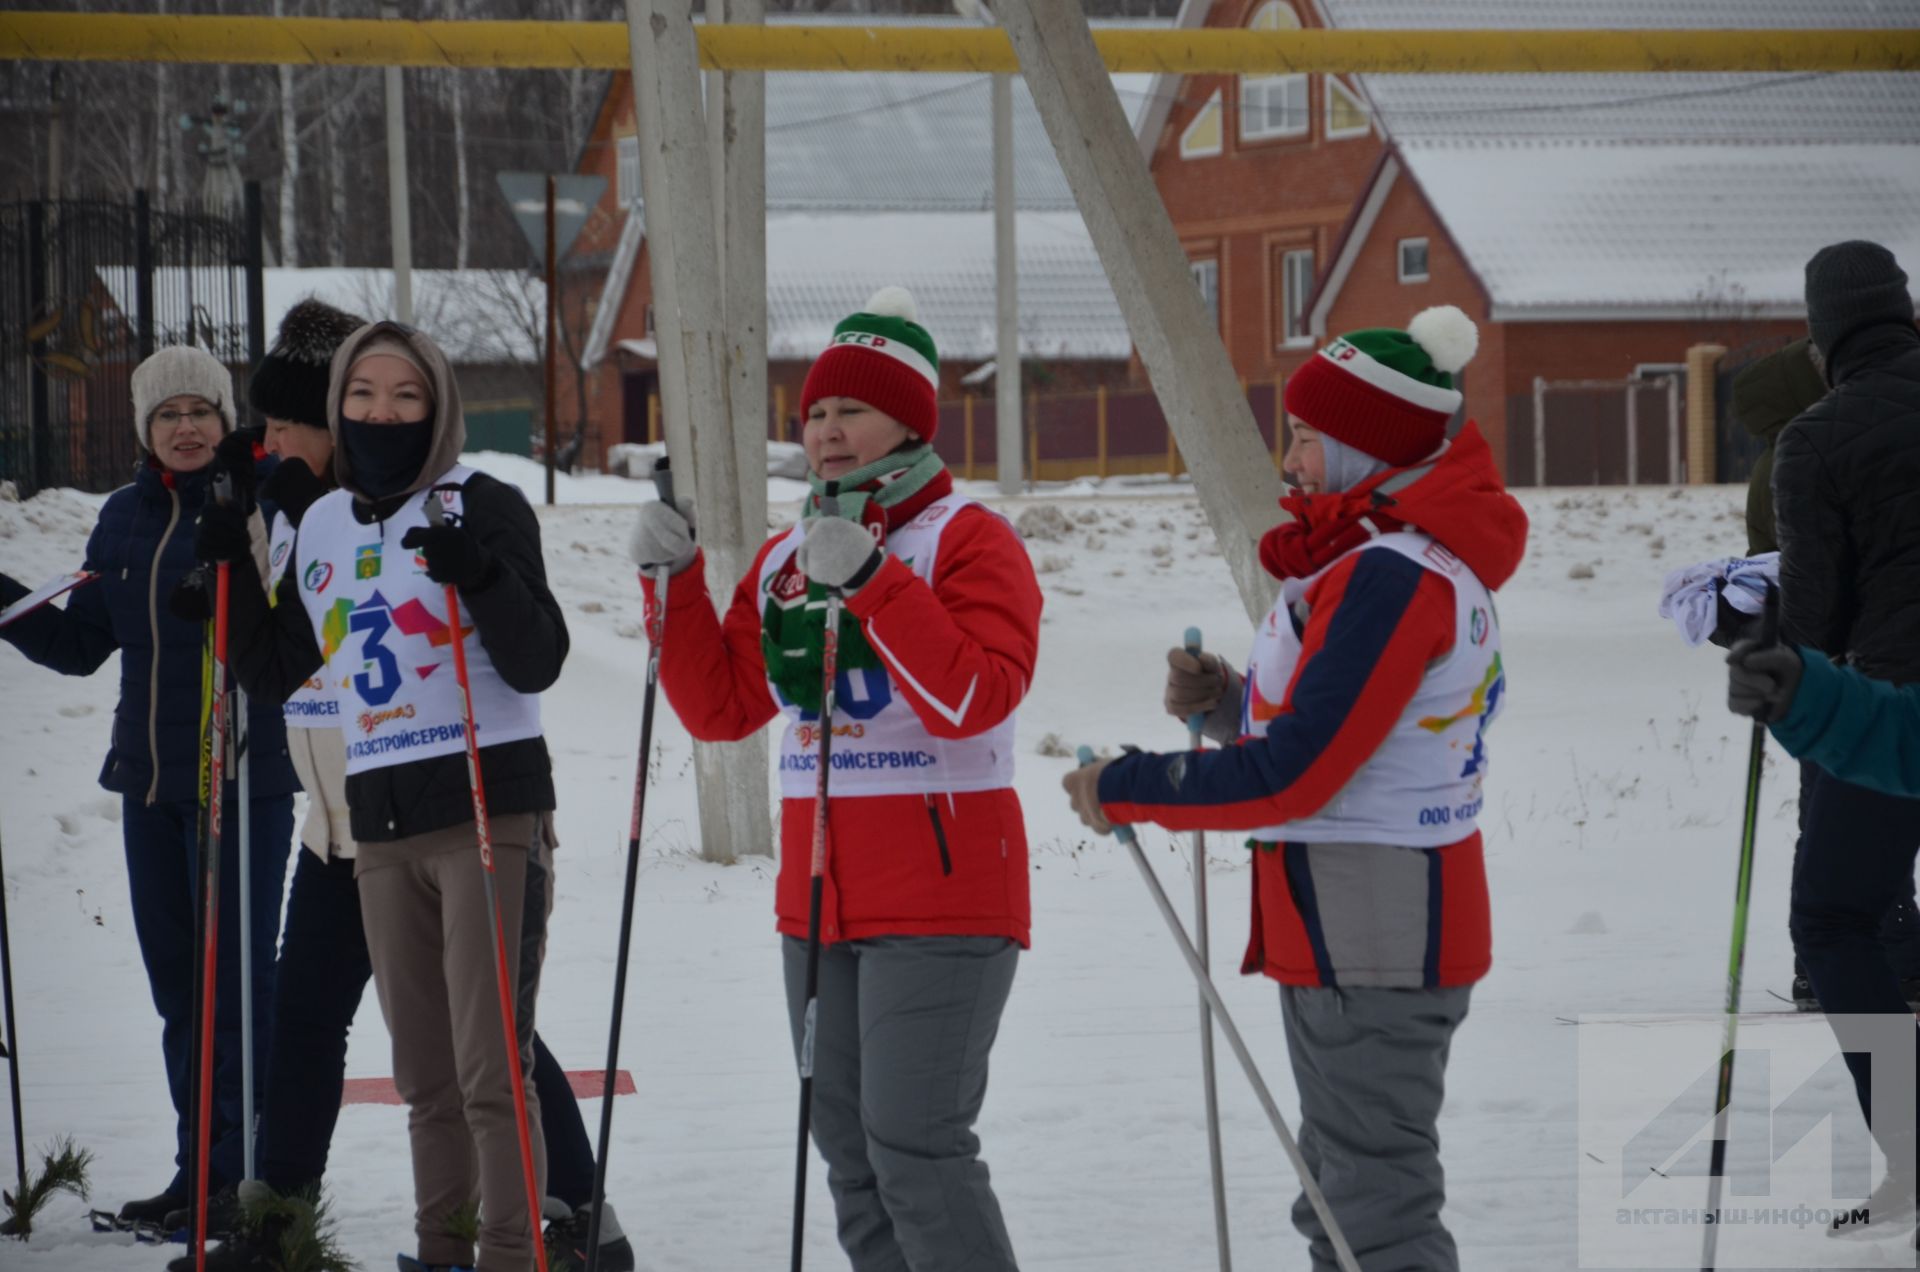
[
  {"x": 883, "y": 357},
  {"x": 1387, "y": 393}
]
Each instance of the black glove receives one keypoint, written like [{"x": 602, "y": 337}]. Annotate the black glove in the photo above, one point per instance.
[
  {"x": 453, "y": 556},
  {"x": 292, "y": 487},
  {"x": 192, "y": 598},
  {"x": 1762, "y": 679},
  {"x": 224, "y": 534},
  {"x": 235, "y": 456}
]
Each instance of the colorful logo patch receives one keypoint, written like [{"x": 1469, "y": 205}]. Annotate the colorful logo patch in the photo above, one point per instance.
[
  {"x": 280, "y": 554},
  {"x": 366, "y": 561},
  {"x": 1479, "y": 626},
  {"x": 318, "y": 575}
]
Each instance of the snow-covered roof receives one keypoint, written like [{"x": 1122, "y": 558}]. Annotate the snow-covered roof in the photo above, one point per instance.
[
  {"x": 476, "y": 315},
  {"x": 1588, "y": 196},
  {"x": 822, "y": 267}
]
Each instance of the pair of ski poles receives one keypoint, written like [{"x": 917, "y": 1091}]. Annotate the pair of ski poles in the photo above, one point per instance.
[{"x": 1212, "y": 1005}]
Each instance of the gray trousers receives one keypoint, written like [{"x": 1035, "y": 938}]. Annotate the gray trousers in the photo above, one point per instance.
[
  {"x": 903, "y": 1030},
  {"x": 1371, "y": 1068},
  {"x": 430, "y": 937}
]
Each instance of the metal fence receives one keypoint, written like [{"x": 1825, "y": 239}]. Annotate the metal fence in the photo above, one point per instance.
[
  {"x": 90, "y": 287},
  {"x": 1735, "y": 449},
  {"x": 1627, "y": 432}
]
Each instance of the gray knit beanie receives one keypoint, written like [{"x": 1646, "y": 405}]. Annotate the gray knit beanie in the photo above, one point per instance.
[
  {"x": 173, "y": 371},
  {"x": 1853, "y": 285}
]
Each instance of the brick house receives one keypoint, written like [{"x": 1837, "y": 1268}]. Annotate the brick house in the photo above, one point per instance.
[
  {"x": 1596, "y": 227},
  {"x": 872, "y": 180}
]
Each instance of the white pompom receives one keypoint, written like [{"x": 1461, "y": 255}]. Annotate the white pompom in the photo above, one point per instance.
[
  {"x": 1448, "y": 336},
  {"x": 892, "y": 302}
]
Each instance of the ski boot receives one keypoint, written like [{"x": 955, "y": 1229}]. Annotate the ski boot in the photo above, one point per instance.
[
  {"x": 255, "y": 1245},
  {"x": 149, "y": 1211},
  {"x": 566, "y": 1238},
  {"x": 1803, "y": 997},
  {"x": 223, "y": 1218},
  {"x": 410, "y": 1264}
]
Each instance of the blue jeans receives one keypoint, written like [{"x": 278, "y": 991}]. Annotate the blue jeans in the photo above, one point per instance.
[
  {"x": 163, "y": 855},
  {"x": 323, "y": 972}
]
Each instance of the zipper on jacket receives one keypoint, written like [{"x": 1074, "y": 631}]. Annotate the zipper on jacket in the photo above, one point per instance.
[
  {"x": 153, "y": 622},
  {"x": 939, "y": 836}
]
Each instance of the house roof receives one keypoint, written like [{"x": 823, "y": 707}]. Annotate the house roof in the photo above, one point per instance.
[{"x": 1626, "y": 196}]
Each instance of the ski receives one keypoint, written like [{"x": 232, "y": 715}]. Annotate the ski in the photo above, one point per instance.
[{"x": 48, "y": 591}]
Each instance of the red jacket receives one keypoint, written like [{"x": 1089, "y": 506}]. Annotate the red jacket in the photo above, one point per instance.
[{"x": 897, "y": 865}]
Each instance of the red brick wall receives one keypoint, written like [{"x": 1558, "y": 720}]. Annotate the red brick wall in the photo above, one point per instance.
[{"x": 1257, "y": 199}]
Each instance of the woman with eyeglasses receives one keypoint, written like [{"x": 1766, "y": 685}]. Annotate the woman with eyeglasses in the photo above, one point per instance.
[{"x": 142, "y": 549}]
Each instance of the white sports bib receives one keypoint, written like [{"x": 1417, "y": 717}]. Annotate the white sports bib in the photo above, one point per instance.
[
  {"x": 1422, "y": 787},
  {"x": 312, "y": 706},
  {"x": 879, "y": 745},
  {"x": 383, "y": 631}
]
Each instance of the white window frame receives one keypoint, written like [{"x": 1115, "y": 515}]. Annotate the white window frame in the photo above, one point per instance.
[
  {"x": 1260, "y": 91},
  {"x": 1296, "y": 285},
  {"x": 1206, "y": 278},
  {"x": 1400, "y": 260},
  {"x": 626, "y": 170},
  {"x": 1341, "y": 134},
  {"x": 1215, "y": 108}
]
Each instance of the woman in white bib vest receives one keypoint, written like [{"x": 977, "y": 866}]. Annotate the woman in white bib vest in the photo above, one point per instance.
[
  {"x": 1354, "y": 753},
  {"x": 925, "y": 896},
  {"x": 362, "y": 607}
]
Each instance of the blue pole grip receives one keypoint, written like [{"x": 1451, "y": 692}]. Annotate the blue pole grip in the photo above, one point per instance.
[
  {"x": 1197, "y": 720},
  {"x": 1123, "y": 833}
]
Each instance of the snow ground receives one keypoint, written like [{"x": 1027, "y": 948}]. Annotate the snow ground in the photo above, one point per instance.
[{"x": 1612, "y": 822}]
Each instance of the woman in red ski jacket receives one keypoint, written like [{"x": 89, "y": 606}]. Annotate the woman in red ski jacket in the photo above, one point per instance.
[{"x": 925, "y": 902}]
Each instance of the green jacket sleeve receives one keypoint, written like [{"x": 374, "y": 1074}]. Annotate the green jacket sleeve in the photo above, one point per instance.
[{"x": 1862, "y": 731}]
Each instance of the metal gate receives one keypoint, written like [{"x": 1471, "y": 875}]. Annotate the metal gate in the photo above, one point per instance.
[
  {"x": 1626, "y": 432},
  {"x": 90, "y": 287}
]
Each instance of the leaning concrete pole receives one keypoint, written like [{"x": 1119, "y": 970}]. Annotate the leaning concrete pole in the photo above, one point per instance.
[
  {"x": 1006, "y": 273},
  {"x": 740, "y": 153},
  {"x": 1232, "y": 469},
  {"x": 731, "y": 779}
]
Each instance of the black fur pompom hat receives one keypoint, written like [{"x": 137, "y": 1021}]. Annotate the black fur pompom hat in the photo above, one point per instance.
[{"x": 291, "y": 382}]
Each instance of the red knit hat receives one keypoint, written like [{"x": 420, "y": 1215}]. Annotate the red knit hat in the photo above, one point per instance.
[
  {"x": 882, "y": 357},
  {"x": 1387, "y": 393}
]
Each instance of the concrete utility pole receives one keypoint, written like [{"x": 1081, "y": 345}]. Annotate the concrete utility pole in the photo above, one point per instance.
[
  {"x": 737, "y": 112},
  {"x": 1232, "y": 469},
  {"x": 1006, "y": 274},
  {"x": 398, "y": 206},
  {"x": 677, "y": 179}
]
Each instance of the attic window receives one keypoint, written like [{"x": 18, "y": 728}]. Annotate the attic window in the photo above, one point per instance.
[
  {"x": 1347, "y": 114},
  {"x": 1413, "y": 260},
  {"x": 1203, "y": 136},
  {"x": 1274, "y": 105},
  {"x": 627, "y": 171}
]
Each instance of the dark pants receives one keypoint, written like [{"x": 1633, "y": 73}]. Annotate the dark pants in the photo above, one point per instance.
[
  {"x": 324, "y": 969},
  {"x": 1899, "y": 928},
  {"x": 1854, "y": 861},
  {"x": 163, "y": 879}
]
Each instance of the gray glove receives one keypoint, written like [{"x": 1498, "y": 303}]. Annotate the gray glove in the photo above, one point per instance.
[
  {"x": 1762, "y": 679},
  {"x": 838, "y": 553},
  {"x": 1204, "y": 684},
  {"x": 662, "y": 537}
]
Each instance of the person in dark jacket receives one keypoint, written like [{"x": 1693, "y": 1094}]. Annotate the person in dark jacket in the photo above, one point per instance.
[
  {"x": 1845, "y": 478},
  {"x": 142, "y": 548},
  {"x": 363, "y": 607},
  {"x": 324, "y": 966},
  {"x": 1767, "y": 395}
]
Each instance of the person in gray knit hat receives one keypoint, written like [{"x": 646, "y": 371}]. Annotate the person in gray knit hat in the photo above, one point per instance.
[
  {"x": 141, "y": 550},
  {"x": 1845, "y": 474}
]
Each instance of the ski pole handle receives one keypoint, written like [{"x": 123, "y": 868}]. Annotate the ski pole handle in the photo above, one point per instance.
[
  {"x": 436, "y": 515},
  {"x": 1197, "y": 721},
  {"x": 663, "y": 481},
  {"x": 1123, "y": 833},
  {"x": 223, "y": 488},
  {"x": 830, "y": 500}
]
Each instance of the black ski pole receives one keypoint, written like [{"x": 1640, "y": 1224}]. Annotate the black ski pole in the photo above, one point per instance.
[
  {"x": 829, "y": 671},
  {"x": 1743, "y": 889},
  {"x": 663, "y": 484},
  {"x": 12, "y": 1048}
]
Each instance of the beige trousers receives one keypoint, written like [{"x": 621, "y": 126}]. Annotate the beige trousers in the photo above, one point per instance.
[{"x": 430, "y": 936}]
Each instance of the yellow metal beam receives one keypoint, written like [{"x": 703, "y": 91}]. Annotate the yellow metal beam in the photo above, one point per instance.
[{"x": 117, "y": 37}]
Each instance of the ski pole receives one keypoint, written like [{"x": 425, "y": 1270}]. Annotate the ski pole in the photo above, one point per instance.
[
  {"x": 12, "y": 1048},
  {"x": 484, "y": 833},
  {"x": 1743, "y": 889},
  {"x": 657, "y": 634},
  {"x": 1197, "y": 740},
  {"x": 1342, "y": 1252},
  {"x": 241, "y": 737},
  {"x": 210, "y": 894},
  {"x": 829, "y": 672}
]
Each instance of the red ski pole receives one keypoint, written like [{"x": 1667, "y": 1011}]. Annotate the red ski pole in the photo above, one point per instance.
[
  {"x": 210, "y": 906},
  {"x": 485, "y": 835}
]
